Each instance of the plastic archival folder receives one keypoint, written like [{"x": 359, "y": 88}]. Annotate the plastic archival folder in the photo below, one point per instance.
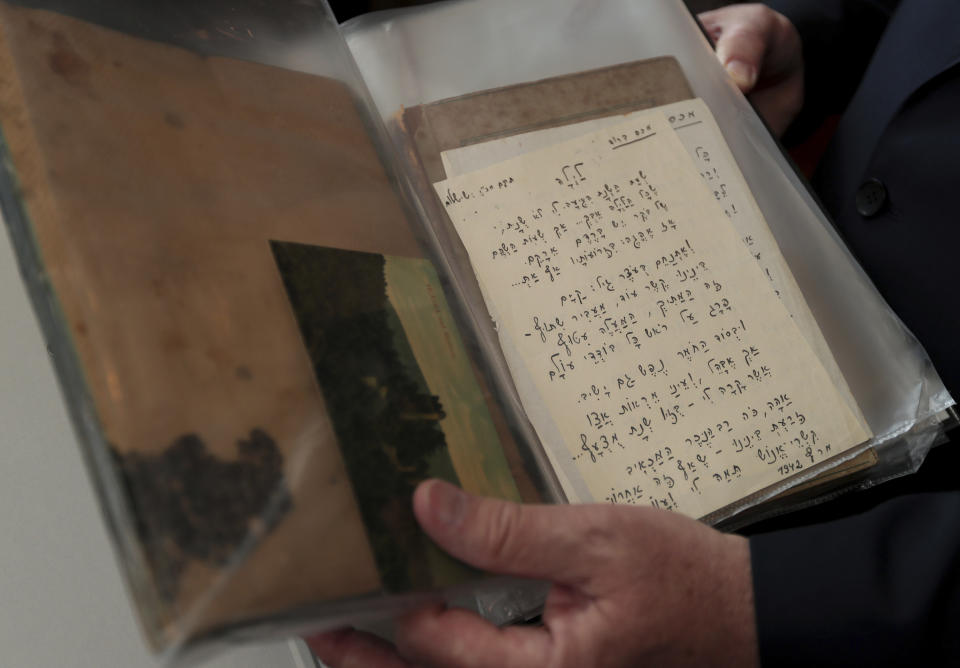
[{"x": 243, "y": 232}]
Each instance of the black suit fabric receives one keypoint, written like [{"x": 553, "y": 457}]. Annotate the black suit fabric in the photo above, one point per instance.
[
  {"x": 877, "y": 589},
  {"x": 883, "y": 587}
]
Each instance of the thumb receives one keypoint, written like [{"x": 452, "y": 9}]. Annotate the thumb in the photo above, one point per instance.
[
  {"x": 743, "y": 37},
  {"x": 508, "y": 538},
  {"x": 741, "y": 49}
]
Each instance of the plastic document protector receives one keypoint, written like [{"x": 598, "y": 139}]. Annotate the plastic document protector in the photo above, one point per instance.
[{"x": 288, "y": 269}]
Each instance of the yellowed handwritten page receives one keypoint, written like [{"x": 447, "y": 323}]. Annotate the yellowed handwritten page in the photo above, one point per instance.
[
  {"x": 703, "y": 140},
  {"x": 649, "y": 348}
]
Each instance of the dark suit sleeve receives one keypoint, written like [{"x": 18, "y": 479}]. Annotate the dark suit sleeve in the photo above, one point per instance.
[
  {"x": 839, "y": 38},
  {"x": 879, "y": 589}
]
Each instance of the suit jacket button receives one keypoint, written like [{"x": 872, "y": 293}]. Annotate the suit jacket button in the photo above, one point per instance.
[{"x": 871, "y": 197}]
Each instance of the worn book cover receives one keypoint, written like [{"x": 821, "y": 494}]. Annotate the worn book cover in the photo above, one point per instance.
[{"x": 215, "y": 237}]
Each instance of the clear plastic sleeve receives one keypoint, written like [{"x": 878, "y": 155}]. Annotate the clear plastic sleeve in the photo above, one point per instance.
[
  {"x": 436, "y": 53},
  {"x": 243, "y": 289}
]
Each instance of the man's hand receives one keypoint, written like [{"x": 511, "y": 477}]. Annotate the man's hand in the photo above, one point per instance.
[
  {"x": 762, "y": 52},
  {"x": 631, "y": 587}
]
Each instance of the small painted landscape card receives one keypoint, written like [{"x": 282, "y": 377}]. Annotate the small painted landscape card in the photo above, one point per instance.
[{"x": 401, "y": 395}]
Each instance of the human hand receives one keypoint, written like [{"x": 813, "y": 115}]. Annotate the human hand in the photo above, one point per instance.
[
  {"x": 631, "y": 587},
  {"x": 761, "y": 50}
]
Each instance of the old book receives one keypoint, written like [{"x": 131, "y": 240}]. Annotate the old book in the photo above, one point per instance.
[
  {"x": 269, "y": 326},
  {"x": 188, "y": 213}
]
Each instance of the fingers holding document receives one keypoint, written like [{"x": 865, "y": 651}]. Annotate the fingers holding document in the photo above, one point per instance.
[{"x": 761, "y": 50}]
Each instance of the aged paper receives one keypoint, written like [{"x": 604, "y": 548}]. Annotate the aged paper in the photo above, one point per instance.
[
  {"x": 638, "y": 326},
  {"x": 701, "y": 137}
]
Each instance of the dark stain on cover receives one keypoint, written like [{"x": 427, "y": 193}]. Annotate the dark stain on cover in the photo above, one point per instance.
[{"x": 192, "y": 505}]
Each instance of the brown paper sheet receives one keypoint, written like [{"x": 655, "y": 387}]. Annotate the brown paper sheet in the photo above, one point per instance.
[{"x": 511, "y": 110}]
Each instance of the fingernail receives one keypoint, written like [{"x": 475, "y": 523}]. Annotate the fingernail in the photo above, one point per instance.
[
  {"x": 743, "y": 74},
  {"x": 447, "y": 502}
]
